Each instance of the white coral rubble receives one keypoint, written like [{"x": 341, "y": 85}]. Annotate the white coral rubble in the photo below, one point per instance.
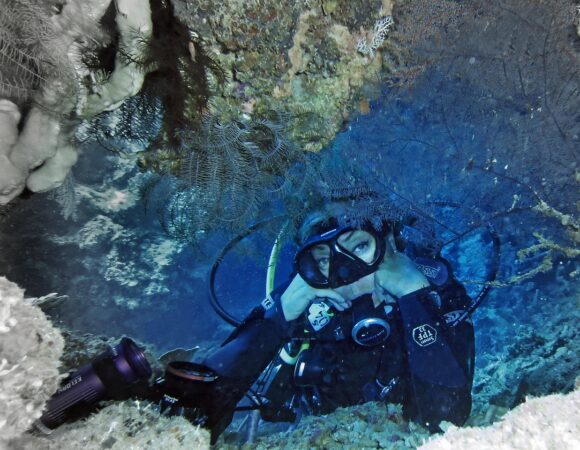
[
  {"x": 540, "y": 423},
  {"x": 30, "y": 348}
]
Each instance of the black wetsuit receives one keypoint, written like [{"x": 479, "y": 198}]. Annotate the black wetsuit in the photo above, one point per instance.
[{"x": 425, "y": 364}]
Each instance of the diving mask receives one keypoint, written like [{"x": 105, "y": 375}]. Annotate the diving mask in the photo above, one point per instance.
[{"x": 340, "y": 256}]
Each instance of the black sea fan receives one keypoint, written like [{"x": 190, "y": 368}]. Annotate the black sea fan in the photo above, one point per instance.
[{"x": 179, "y": 70}]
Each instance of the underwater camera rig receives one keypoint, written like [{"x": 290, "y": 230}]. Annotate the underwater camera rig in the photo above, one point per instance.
[{"x": 122, "y": 372}]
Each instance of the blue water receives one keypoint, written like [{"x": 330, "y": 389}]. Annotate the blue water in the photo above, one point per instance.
[{"x": 413, "y": 147}]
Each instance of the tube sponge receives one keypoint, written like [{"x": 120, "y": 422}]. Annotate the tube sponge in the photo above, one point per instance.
[
  {"x": 41, "y": 156},
  {"x": 30, "y": 348},
  {"x": 12, "y": 178},
  {"x": 135, "y": 27},
  {"x": 55, "y": 169}
]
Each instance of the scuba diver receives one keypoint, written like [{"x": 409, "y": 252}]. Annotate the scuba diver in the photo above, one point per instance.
[
  {"x": 358, "y": 321},
  {"x": 363, "y": 317}
]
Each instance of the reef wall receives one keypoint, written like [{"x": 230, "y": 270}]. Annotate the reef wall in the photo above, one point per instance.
[
  {"x": 305, "y": 58},
  {"x": 539, "y": 423}
]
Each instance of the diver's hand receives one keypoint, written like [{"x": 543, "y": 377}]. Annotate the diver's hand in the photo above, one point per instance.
[
  {"x": 300, "y": 294},
  {"x": 397, "y": 275}
]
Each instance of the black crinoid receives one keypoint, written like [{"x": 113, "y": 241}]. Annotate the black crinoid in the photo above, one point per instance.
[
  {"x": 129, "y": 129},
  {"x": 229, "y": 175},
  {"x": 349, "y": 186},
  {"x": 176, "y": 90}
]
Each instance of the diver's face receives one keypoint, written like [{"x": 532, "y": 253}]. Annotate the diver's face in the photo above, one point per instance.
[{"x": 358, "y": 243}]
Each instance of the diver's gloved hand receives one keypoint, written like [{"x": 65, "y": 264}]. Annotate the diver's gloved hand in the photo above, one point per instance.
[
  {"x": 300, "y": 294},
  {"x": 335, "y": 374},
  {"x": 220, "y": 405},
  {"x": 397, "y": 275},
  {"x": 335, "y": 386}
]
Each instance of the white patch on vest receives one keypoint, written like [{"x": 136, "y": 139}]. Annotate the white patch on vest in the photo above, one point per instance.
[
  {"x": 452, "y": 316},
  {"x": 424, "y": 335},
  {"x": 319, "y": 315}
]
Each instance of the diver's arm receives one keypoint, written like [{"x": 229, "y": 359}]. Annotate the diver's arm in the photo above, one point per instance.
[
  {"x": 253, "y": 344},
  {"x": 243, "y": 356},
  {"x": 440, "y": 358}
]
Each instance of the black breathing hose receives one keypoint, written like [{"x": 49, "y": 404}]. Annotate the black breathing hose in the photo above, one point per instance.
[
  {"x": 492, "y": 274},
  {"x": 212, "y": 274},
  {"x": 490, "y": 278}
]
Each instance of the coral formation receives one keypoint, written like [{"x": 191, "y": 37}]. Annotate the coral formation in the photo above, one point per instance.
[
  {"x": 537, "y": 362},
  {"x": 112, "y": 260},
  {"x": 105, "y": 229},
  {"x": 296, "y": 56},
  {"x": 30, "y": 348},
  {"x": 546, "y": 422},
  {"x": 121, "y": 426},
  {"x": 376, "y": 38},
  {"x": 370, "y": 425}
]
